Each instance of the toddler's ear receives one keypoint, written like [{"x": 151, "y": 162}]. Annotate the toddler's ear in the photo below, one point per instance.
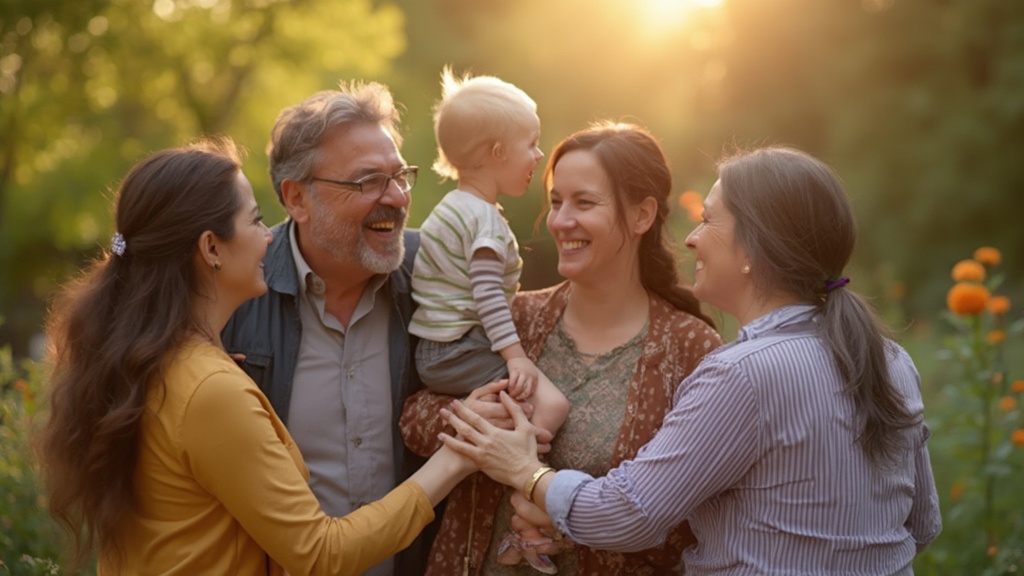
[{"x": 498, "y": 151}]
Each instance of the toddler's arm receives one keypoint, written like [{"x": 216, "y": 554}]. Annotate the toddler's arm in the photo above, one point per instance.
[{"x": 485, "y": 275}]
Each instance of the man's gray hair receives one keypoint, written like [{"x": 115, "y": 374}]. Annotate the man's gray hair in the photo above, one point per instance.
[{"x": 299, "y": 130}]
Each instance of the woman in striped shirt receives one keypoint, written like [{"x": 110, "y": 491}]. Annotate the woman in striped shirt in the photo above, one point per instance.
[{"x": 801, "y": 447}]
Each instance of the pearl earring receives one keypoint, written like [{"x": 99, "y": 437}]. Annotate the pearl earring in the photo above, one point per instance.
[{"x": 745, "y": 269}]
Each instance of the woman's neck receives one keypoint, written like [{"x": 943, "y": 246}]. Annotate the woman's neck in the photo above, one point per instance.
[
  {"x": 210, "y": 319},
  {"x": 757, "y": 307},
  {"x": 601, "y": 318}
]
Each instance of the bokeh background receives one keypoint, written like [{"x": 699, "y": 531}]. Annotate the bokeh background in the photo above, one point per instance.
[{"x": 918, "y": 104}]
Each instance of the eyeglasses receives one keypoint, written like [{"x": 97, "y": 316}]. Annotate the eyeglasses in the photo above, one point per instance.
[{"x": 374, "y": 185}]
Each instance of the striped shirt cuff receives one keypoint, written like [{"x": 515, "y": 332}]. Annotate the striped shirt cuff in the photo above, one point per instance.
[{"x": 561, "y": 492}]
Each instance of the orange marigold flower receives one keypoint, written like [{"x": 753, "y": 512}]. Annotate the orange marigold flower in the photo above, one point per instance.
[
  {"x": 967, "y": 299},
  {"x": 1018, "y": 437},
  {"x": 1007, "y": 403},
  {"x": 1017, "y": 386},
  {"x": 996, "y": 337},
  {"x": 956, "y": 492},
  {"x": 968, "y": 271},
  {"x": 999, "y": 305},
  {"x": 988, "y": 256},
  {"x": 693, "y": 202}
]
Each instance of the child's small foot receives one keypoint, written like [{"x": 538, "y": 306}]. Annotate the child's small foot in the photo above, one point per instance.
[
  {"x": 510, "y": 551},
  {"x": 539, "y": 562}
]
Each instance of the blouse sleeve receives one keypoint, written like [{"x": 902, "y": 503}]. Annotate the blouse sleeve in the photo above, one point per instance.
[
  {"x": 421, "y": 421},
  {"x": 925, "y": 521},
  {"x": 707, "y": 442},
  {"x": 233, "y": 450}
]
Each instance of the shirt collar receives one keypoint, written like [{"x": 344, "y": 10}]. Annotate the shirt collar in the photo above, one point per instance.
[
  {"x": 776, "y": 319},
  {"x": 302, "y": 269}
]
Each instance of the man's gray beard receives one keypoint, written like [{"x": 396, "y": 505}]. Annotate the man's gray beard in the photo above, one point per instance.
[
  {"x": 382, "y": 263},
  {"x": 345, "y": 242}
]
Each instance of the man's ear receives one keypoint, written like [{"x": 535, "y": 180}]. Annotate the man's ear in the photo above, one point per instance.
[
  {"x": 295, "y": 196},
  {"x": 643, "y": 215}
]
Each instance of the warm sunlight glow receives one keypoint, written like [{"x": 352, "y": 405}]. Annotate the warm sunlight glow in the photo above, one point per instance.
[{"x": 668, "y": 16}]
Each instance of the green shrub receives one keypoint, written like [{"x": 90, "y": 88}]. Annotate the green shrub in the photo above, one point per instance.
[
  {"x": 977, "y": 443},
  {"x": 29, "y": 539}
]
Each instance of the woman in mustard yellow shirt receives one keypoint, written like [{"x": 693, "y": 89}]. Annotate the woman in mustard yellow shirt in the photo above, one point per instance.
[{"x": 160, "y": 453}]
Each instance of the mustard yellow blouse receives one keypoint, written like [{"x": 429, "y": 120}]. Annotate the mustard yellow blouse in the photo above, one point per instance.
[{"x": 222, "y": 489}]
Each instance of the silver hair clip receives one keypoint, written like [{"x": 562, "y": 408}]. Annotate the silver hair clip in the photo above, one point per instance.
[{"x": 118, "y": 244}]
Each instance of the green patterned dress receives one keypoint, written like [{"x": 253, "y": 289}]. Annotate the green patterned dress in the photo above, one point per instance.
[{"x": 597, "y": 389}]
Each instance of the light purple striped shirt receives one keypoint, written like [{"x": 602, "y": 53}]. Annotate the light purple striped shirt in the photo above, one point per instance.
[{"x": 759, "y": 454}]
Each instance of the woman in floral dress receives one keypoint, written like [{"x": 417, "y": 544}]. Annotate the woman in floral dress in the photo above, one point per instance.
[{"x": 617, "y": 338}]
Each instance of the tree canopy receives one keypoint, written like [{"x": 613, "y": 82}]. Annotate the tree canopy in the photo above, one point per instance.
[{"x": 916, "y": 103}]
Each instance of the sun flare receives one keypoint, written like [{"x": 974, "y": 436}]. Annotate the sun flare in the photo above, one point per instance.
[{"x": 661, "y": 16}]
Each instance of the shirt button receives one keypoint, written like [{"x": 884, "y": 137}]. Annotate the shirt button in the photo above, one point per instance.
[
  {"x": 351, "y": 372},
  {"x": 358, "y": 441},
  {"x": 318, "y": 286}
]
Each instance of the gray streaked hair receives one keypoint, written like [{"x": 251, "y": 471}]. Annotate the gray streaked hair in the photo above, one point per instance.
[{"x": 299, "y": 130}]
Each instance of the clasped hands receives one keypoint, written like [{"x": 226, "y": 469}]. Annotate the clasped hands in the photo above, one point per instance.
[{"x": 493, "y": 430}]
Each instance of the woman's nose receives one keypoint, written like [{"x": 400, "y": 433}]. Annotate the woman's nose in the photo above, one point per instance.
[
  {"x": 691, "y": 240},
  {"x": 561, "y": 219}
]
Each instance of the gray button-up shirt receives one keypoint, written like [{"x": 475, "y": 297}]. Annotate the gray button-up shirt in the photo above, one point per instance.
[{"x": 340, "y": 412}]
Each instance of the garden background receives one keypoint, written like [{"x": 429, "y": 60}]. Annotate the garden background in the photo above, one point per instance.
[{"x": 918, "y": 104}]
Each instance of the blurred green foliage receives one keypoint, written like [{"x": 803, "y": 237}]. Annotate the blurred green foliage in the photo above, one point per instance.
[
  {"x": 29, "y": 538},
  {"x": 977, "y": 443},
  {"x": 916, "y": 103}
]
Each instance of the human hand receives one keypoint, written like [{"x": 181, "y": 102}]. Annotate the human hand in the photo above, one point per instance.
[
  {"x": 529, "y": 515},
  {"x": 442, "y": 472},
  {"x": 535, "y": 527},
  {"x": 484, "y": 401},
  {"x": 459, "y": 465},
  {"x": 522, "y": 377},
  {"x": 507, "y": 456}
]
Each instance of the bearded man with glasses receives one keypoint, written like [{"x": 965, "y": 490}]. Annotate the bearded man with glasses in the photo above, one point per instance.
[{"x": 328, "y": 342}]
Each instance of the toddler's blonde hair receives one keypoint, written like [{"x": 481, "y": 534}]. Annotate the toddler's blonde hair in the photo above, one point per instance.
[{"x": 474, "y": 114}]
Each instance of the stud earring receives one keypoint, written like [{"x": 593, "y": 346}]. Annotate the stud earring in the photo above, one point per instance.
[
  {"x": 216, "y": 266},
  {"x": 745, "y": 269}
]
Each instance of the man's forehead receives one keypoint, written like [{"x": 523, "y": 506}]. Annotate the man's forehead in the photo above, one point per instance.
[{"x": 362, "y": 147}]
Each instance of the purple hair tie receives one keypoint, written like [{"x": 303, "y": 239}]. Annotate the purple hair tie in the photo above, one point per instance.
[{"x": 831, "y": 285}]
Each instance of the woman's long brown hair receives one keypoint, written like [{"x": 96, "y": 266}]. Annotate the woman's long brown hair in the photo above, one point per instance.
[{"x": 112, "y": 329}]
